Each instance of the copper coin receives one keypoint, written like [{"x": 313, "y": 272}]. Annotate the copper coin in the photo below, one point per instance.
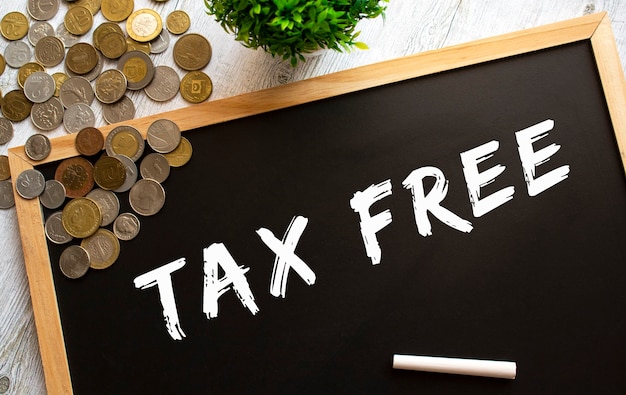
[
  {"x": 89, "y": 141},
  {"x": 76, "y": 175}
]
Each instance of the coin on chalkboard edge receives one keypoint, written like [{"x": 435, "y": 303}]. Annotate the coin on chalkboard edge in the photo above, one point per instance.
[
  {"x": 29, "y": 190},
  {"x": 111, "y": 150},
  {"x": 55, "y": 232},
  {"x": 84, "y": 181},
  {"x": 163, "y": 135},
  {"x": 89, "y": 141},
  {"x": 181, "y": 155},
  {"x": 53, "y": 195}
]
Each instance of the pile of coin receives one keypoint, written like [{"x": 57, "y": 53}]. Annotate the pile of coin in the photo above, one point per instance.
[
  {"x": 92, "y": 183},
  {"x": 67, "y": 97}
]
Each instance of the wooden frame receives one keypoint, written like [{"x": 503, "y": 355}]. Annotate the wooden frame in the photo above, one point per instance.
[{"x": 595, "y": 28}]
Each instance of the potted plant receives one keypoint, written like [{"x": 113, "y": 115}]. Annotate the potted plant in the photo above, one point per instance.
[{"x": 292, "y": 28}]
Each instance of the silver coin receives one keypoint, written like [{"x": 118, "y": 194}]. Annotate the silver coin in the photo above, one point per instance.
[
  {"x": 155, "y": 166},
  {"x": 76, "y": 90},
  {"x": 68, "y": 38},
  {"x": 121, "y": 110},
  {"x": 147, "y": 197},
  {"x": 30, "y": 184},
  {"x": 95, "y": 72},
  {"x": 77, "y": 117},
  {"x": 47, "y": 115},
  {"x": 53, "y": 195},
  {"x": 37, "y": 147},
  {"x": 108, "y": 202},
  {"x": 136, "y": 80},
  {"x": 7, "y": 200},
  {"x": 74, "y": 262},
  {"x": 163, "y": 136},
  {"x": 42, "y": 10},
  {"x": 6, "y": 130},
  {"x": 110, "y": 86},
  {"x": 131, "y": 173},
  {"x": 39, "y": 30},
  {"x": 55, "y": 232},
  {"x": 49, "y": 51},
  {"x": 17, "y": 54},
  {"x": 39, "y": 87},
  {"x": 126, "y": 226},
  {"x": 165, "y": 84},
  {"x": 161, "y": 43}
]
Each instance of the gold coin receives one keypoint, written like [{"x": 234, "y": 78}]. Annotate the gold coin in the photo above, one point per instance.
[
  {"x": 134, "y": 45},
  {"x": 89, "y": 141},
  {"x": 103, "y": 248},
  {"x": 178, "y": 22},
  {"x": 102, "y": 30},
  {"x": 59, "y": 79},
  {"x": 26, "y": 70},
  {"x": 138, "y": 68},
  {"x": 192, "y": 52},
  {"x": 181, "y": 154},
  {"x": 144, "y": 25},
  {"x": 113, "y": 45},
  {"x": 76, "y": 175},
  {"x": 92, "y": 5},
  {"x": 81, "y": 58},
  {"x": 125, "y": 140},
  {"x": 78, "y": 20},
  {"x": 14, "y": 26},
  {"x": 117, "y": 10},
  {"x": 196, "y": 87},
  {"x": 109, "y": 173},
  {"x": 81, "y": 217},
  {"x": 16, "y": 106},
  {"x": 3, "y": 64},
  {"x": 5, "y": 170}
]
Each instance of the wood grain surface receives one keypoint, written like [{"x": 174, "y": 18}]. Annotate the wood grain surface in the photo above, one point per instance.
[{"x": 410, "y": 27}]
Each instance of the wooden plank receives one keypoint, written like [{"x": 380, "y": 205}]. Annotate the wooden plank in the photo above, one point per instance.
[
  {"x": 43, "y": 295},
  {"x": 610, "y": 69}
]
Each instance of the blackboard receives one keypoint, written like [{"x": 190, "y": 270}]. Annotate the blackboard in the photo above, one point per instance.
[{"x": 537, "y": 278}]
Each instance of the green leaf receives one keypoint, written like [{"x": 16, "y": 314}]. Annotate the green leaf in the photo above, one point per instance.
[{"x": 361, "y": 45}]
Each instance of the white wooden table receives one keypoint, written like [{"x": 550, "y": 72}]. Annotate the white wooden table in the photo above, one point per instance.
[{"x": 411, "y": 26}]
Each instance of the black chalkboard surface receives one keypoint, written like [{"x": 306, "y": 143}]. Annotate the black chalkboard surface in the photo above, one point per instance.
[{"x": 491, "y": 201}]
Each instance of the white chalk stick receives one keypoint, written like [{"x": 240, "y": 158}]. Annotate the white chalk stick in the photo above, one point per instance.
[{"x": 472, "y": 367}]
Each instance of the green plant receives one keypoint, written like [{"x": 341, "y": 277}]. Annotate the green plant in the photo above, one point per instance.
[{"x": 290, "y": 28}]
